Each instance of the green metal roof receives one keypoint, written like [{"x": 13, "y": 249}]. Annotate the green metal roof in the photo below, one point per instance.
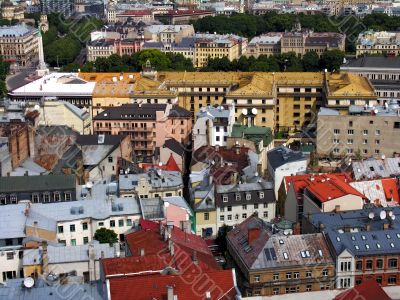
[
  {"x": 14, "y": 184},
  {"x": 253, "y": 133}
]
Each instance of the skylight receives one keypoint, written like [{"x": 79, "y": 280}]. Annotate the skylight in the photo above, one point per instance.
[
  {"x": 392, "y": 245},
  {"x": 357, "y": 248},
  {"x": 320, "y": 253},
  {"x": 388, "y": 236},
  {"x": 366, "y": 246},
  {"x": 338, "y": 239},
  {"x": 285, "y": 255},
  {"x": 363, "y": 237},
  {"x": 378, "y": 246}
]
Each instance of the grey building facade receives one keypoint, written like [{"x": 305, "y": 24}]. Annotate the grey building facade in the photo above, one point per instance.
[{"x": 365, "y": 131}]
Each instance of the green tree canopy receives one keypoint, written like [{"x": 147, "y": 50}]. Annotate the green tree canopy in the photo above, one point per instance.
[
  {"x": 332, "y": 60},
  {"x": 311, "y": 62},
  {"x": 104, "y": 235}
]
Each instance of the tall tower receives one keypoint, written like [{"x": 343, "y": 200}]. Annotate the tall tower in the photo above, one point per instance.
[{"x": 41, "y": 69}]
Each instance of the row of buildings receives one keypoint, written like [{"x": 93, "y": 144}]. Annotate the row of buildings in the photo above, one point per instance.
[{"x": 199, "y": 47}]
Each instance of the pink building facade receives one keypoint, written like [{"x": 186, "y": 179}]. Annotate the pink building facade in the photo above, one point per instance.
[{"x": 148, "y": 125}]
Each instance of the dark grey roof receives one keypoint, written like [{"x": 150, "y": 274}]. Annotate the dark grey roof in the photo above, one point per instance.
[
  {"x": 360, "y": 235},
  {"x": 131, "y": 111},
  {"x": 281, "y": 155},
  {"x": 179, "y": 112},
  {"x": 96, "y": 139},
  {"x": 375, "y": 62},
  {"x": 36, "y": 183},
  {"x": 174, "y": 146},
  {"x": 140, "y": 112}
]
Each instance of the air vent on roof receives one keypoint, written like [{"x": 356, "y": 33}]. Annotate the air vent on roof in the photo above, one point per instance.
[
  {"x": 114, "y": 207},
  {"x": 100, "y": 139}
]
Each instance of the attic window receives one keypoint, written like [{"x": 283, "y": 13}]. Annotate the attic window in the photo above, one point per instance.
[
  {"x": 356, "y": 247},
  {"x": 388, "y": 237},
  {"x": 392, "y": 245},
  {"x": 303, "y": 254},
  {"x": 372, "y": 169},
  {"x": 398, "y": 235},
  {"x": 353, "y": 238},
  {"x": 366, "y": 246},
  {"x": 285, "y": 255},
  {"x": 307, "y": 253},
  {"x": 363, "y": 237},
  {"x": 338, "y": 239},
  {"x": 320, "y": 253}
]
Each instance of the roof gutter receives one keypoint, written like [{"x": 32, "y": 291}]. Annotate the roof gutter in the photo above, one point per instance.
[{"x": 133, "y": 274}]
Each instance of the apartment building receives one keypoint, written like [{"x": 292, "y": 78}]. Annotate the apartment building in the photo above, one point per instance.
[
  {"x": 298, "y": 41},
  {"x": 213, "y": 126},
  {"x": 364, "y": 132},
  {"x": 37, "y": 189},
  {"x": 364, "y": 244},
  {"x": 378, "y": 42},
  {"x": 64, "y": 7},
  {"x": 273, "y": 263},
  {"x": 152, "y": 184},
  {"x": 217, "y": 46},
  {"x": 148, "y": 125},
  {"x": 236, "y": 202},
  {"x": 383, "y": 72},
  {"x": 307, "y": 194},
  {"x": 106, "y": 47},
  {"x": 168, "y": 34},
  {"x": 19, "y": 45},
  {"x": 182, "y": 16}
]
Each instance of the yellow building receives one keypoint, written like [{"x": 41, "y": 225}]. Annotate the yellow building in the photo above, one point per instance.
[
  {"x": 217, "y": 46},
  {"x": 345, "y": 89},
  {"x": 115, "y": 89},
  {"x": 285, "y": 101}
]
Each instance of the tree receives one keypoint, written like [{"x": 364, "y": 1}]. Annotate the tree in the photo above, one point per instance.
[
  {"x": 311, "y": 62},
  {"x": 157, "y": 59},
  {"x": 104, "y": 235},
  {"x": 332, "y": 60}
]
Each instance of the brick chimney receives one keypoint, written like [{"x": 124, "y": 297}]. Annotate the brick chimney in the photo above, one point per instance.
[{"x": 253, "y": 234}]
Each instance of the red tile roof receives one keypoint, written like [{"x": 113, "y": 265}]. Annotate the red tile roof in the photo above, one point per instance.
[
  {"x": 171, "y": 165},
  {"x": 220, "y": 285},
  {"x": 324, "y": 187},
  {"x": 368, "y": 290},
  {"x": 144, "y": 12},
  {"x": 140, "y": 265},
  {"x": 180, "y": 12}
]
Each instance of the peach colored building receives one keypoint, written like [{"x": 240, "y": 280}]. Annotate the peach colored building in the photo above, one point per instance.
[{"x": 149, "y": 125}]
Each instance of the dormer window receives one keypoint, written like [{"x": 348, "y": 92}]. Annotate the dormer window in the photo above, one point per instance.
[
  {"x": 237, "y": 196},
  {"x": 225, "y": 198}
]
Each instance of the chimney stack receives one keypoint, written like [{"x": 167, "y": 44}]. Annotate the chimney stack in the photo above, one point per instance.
[
  {"x": 194, "y": 257},
  {"x": 170, "y": 292},
  {"x": 171, "y": 247},
  {"x": 386, "y": 226},
  {"x": 45, "y": 259}
]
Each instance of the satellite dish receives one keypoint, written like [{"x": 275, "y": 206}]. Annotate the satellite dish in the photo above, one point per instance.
[
  {"x": 256, "y": 174},
  {"x": 36, "y": 107},
  {"x": 382, "y": 215},
  {"x": 89, "y": 185},
  {"x": 393, "y": 217},
  {"x": 383, "y": 156},
  {"x": 29, "y": 282},
  {"x": 371, "y": 215},
  {"x": 254, "y": 111},
  {"x": 244, "y": 111},
  {"x": 160, "y": 164},
  {"x": 376, "y": 111},
  {"x": 390, "y": 213},
  {"x": 166, "y": 204}
]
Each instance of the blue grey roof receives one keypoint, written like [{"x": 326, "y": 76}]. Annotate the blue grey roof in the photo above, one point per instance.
[
  {"x": 376, "y": 168},
  {"x": 16, "y": 30},
  {"x": 12, "y": 221},
  {"x": 281, "y": 155},
  {"x": 157, "y": 179},
  {"x": 56, "y": 292},
  {"x": 327, "y": 112},
  {"x": 212, "y": 112},
  {"x": 67, "y": 254},
  {"x": 360, "y": 235}
]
